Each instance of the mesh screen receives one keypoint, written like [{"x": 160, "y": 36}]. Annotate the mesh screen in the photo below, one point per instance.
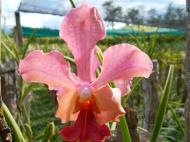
[
  {"x": 60, "y": 7},
  {"x": 54, "y": 7}
]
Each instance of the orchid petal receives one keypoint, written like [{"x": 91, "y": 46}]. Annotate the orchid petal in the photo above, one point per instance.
[
  {"x": 66, "y": 99},
  {"x": 124, "y": 85},
  {"x": 123, "y": 61},
  {"x": 109, "y": 103},
  {"x": 51, "y": 69},
  {"x": 81, "y": 29}
]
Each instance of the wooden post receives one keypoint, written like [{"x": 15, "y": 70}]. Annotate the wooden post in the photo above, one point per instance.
[
  {"x": 18, "y": 30},
  {"x": 5, "y": 132},
  {"x": 8, "y": 87},
  {"x": 187, "y": 103},
  {"x": 132, "y": 121},
  {"x": 151, "y": 97}
]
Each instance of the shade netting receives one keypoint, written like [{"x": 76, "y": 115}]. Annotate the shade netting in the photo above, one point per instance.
[{"x": 54, "y": 7}]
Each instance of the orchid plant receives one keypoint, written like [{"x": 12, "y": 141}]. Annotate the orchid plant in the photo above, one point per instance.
[{"x": 84, "y": 98}]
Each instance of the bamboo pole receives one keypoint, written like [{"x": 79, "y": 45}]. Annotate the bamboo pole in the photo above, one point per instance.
[{"x": 187, "y": 103}]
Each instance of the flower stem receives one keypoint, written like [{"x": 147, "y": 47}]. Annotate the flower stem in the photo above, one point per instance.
[{"x": 124, "y": 129}]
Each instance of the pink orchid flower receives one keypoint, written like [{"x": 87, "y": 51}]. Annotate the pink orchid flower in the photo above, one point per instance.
[{"x": 83, "y": 98}]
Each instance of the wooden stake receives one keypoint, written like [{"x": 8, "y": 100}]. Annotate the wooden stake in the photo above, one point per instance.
[
  {"x": 151, "y": 97},
  {"x": 18, "y": 30}
]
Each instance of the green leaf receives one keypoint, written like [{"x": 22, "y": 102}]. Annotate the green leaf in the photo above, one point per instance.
[
  {"x": 124, "y": 129},
  {"x": 29, "y": 131},
  {"x": 69, "y": 59},
  {"x": 100, "y": 56},
  {"x": 18, "y": 136},
  {"x": 9, "y": 41},
  {"x": 49, "y": 132},
  {"x": 163, "y": 105}
]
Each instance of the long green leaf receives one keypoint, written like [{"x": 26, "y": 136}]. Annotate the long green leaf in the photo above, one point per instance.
[
  {"x": 69, "y": 59},
  {"x": 29, "y": 132},
  {"x": 163, "y": 105},
  {"x": 11, "y": 42},
  {"x": 124, "y": 129},
  {"x": 12, "y": 123},
  {"x": 11, "y": 52},
  {"x": 49, "y": 132}
]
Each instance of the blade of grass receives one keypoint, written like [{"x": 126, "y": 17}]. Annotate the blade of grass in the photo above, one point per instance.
[
  {"x": 11, "y": 42},
  {"x": 176, "y": 119},
  {"x": 163, "y": 105},
  {"x": 10, "y": 51},
  {"x": 10, "y": 120},
  {"x": 49, "y": 132},
  {"x": 29, "y": 131}
]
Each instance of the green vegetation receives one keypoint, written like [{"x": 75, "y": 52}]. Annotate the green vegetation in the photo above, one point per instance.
[
  {"x": 43, "y": 108},
  {"x": 166, "y": 49}
]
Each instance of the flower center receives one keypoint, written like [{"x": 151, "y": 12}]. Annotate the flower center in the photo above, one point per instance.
[{"x": 85, "y": 93}]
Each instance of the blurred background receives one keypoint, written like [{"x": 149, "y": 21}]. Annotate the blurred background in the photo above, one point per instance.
[{"x": 117, "y": 13}]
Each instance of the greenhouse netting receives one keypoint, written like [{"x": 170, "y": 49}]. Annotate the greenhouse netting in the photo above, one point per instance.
[{"x": 54, "y": 7}]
